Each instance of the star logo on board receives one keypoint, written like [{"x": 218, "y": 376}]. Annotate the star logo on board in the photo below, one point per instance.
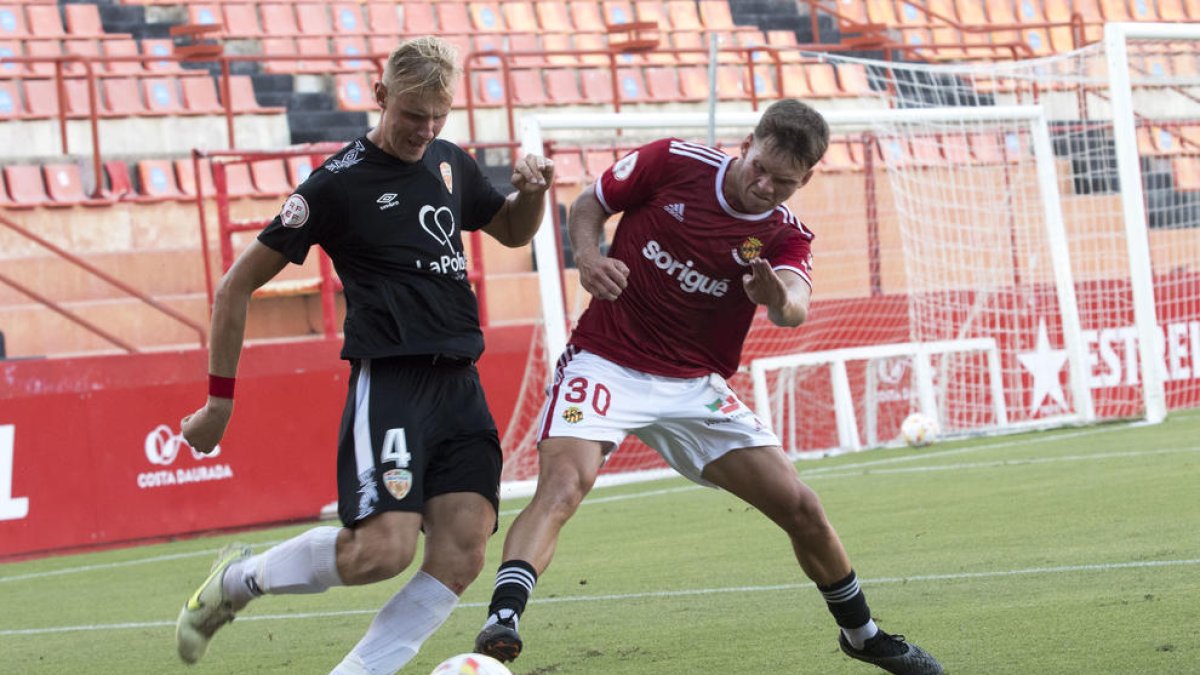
[{"x": 1045, "y": 365}]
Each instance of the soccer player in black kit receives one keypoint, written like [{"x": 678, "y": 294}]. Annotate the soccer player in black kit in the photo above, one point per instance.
[{"x": 417, "y": 448}]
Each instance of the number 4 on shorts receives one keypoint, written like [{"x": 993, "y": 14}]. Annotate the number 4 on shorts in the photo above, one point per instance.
[{"x": 395, "y": 448}]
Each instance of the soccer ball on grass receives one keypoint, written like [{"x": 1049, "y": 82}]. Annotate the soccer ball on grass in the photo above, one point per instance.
[
  {"x": 471, "y": 664},
  {"x": 918, "y": 430}
]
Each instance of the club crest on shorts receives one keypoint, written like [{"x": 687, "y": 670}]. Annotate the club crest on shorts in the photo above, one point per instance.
[
  {"x": 447, "y": 176},
  {"x": 572, "y": 415},
  {"x": 294, "y": 212},
  {"x": 725, "y": 405},
  {"x": 398, "y": 482},
  {"x": 748, "y": 250}
]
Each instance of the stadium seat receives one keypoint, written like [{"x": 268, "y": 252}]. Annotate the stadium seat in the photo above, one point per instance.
[
  {"x": 519, "y": 16},
  {"x": 238, "y": 182},
  {"x": 12, "y": 22},
  {"x": 528, "y": 88},
  {"x": 348, "y": 19},
  {"x": 956, "y": 149},
  {"x": 683, "y": 15},
  {"x": 1114, "y": 10},
  {"x": 119, "y": 184},
  {"x": 1186, "y": 173},
  {"x": 157, "y": 180},
  {"x": 186, "y": 174},
  {"x": 662, "y": 83},
  {"x": 11, "y": 107},
  {"x": 585, "y": 15},
  {"x": 596, "y": 161},
  {"x": 41, "y": 98},
  {"x": 200, "y": 96},
  {"x": 526, "y": 42},
  {"x": 838, "y": 157},
  {"x": 121, "y": 97},
  {"x": 652, "y": 11},
  {"x": 270, "y": 178},
  {"x": 64, "y": 185},
  {"x": 591, "y": 42},
  {"x": 489, "y": 89},
  {"x": 559, "y": 42},
  {"x": 205, "y": 14},
  {"x": 1171, "y": 10},
  {"x": 487, "y": 42},
  {"x": 162, "y": 96},
  {"x": 313, "y": 19},
  {"x": 617, "y": 12},
  {"x": 453, "y": 17},
  {"x": 987, "y": 148},
  {"x": 882, "y": 12},
  {"x": 352, "y": 45},
  {"x": 10, "y": 48},
  {"x": 795, "y": 80},
  {"x": 241, "y": 94},
  {"x": 562, "y": 86},
  {"x": 568, "y": 166},
  {"x": 26, "y": 186},
  {"x": 276, "y": 19},
  {"x": 632, "y": 86},
  {"x": 731, "y": 83},
  {"x": 44, "y": 21},
  {"x": 122, "y": 48},
  {"x": 822, "y": 80},
  {"x": 553, "y": 16},
  {"x": 596, "y": 85},
  {"x": 298, "y": 168},
  {"x": 692, "y": 41},
  {"x": 83, "y": 21},
  {"x": 486, "y": 17},
  {"x": 354, "y": 92},
  {"x": 46, "y": 48},
  {"x": 87, "y": 50},
  {"x": 419, "y": 18},
  {"x": 693, "y": 83}
]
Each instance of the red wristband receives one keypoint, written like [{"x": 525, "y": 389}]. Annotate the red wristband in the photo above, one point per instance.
[{"x": 221, "y": 387}]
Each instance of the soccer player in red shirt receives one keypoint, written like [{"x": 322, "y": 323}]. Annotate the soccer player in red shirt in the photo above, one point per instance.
[{"x": 703, "y": 241}]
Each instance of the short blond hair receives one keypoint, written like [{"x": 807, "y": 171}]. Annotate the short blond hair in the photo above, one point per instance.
[{"x": 424, "y": 64}]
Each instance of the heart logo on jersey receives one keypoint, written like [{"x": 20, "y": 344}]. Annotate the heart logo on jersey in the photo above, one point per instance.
[{"x": 438, "y": 223}]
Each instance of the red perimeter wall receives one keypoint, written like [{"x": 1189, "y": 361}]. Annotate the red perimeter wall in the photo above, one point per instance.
[{"x": 90, "y": 452}]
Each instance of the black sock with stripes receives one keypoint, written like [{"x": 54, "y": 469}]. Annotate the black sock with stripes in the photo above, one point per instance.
[
  {"x": 514, "y": 583},
  {"x": 848, "y": 605}
]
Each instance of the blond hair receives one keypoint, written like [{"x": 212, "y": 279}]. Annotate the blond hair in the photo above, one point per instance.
[{"x": 424, "y": 65}]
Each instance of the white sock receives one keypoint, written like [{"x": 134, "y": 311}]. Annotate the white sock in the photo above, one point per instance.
[
  {"x": 399, "y": 629},
  {"x": 857, "y": 637},
  {"x": 303, "y": 564}
]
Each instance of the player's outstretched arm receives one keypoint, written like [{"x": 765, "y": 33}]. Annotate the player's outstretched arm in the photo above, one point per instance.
[
  {"x": 257, "y": 265},
  {"x": 518, "y": 219},
  {"x": 600, "y": 275},
  {"x": 784, "y": 293}
]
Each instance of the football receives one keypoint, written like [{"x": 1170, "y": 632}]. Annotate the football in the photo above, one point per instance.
[
  {"x": 918, "y": 430},
  {"x": 471, "y": 664}
]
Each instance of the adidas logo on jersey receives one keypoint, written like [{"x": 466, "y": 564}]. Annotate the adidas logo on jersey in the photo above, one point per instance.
[{"x": 676, "y": 211}]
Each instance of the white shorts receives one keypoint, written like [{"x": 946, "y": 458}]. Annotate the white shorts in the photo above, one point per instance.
[{"x": 689, "y": 421}]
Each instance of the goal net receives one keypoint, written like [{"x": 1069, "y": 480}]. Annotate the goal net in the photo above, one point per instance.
[{"x": 957, "y": 204}]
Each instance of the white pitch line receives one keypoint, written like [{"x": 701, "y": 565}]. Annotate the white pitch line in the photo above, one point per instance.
[{"x": 957, "y": 576}]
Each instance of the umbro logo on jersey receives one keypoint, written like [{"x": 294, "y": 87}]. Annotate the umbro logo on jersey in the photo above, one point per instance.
[
  {"x": 387, "y": 200},
  {"x": 676, "y": 211}
]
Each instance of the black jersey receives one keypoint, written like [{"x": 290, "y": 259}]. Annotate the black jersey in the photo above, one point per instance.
[{"x": 393, "y": 230}]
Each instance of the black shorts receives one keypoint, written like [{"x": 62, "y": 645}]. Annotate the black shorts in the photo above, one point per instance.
[{"x": 413, "y": 429}]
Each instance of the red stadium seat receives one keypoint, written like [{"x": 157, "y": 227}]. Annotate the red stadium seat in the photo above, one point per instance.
[
  {"x": 568, "y": 166},
  {"x": 241, "y": 93},
  {"x": 162, "y": 47},
  {"x": 348, "y": 19},
  {"x": 352, "y": 45},
  {"x": 185, "y": 172},
  {"x": 123, "y": 48},
  {"x": 26, "y": 186},
  {"x": 64, "y": 186},
  {"x": 419, "y": 18},
  {"x": 157, "y": 180},
  {"x": 11, "y": 107},
  {"x": 162, "y": 96},
  {"x": 44, "y": 21},
  {"x": 662, "y": 83},
  {"x": 585, "y": 15},
  {"x": 453, "y": 17},
  {"x": 553, "y": 16},
  {"x": 562, "y": 86},
  {"x": 12, "y": 22},
  {"x": 312, "y": 19},
  {"x": 519, "y": 16},
  {"x": 354, "y": 92},
  {"x": 528, "y": 88},
  {"x": 238, "y": 182},
  {"x": 270, "y": 178},
  {"x": 596, "y": 161},
  {"x": 683, "y": 15},
  {"x": 200, "y": 96},
  {"x": 486, "y": 17},
  {"x": 120, "y": 186},
  {"x": 277, "y": 19},
  {"x": 121, "y": 97},
  {"x": 83, "y": 21}
]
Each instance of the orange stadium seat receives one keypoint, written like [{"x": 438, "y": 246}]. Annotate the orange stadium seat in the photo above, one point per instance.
[
  {"x": 489, "y": 90},
  {"x": 487, "y": 42},
  {"x": 586, "y": 15},
  {"x": 1114, "y": 10},
  {"x": 731, "y": 83},
  {"x": 519, "y": 16},
  {"x": 162, "y": 96},
  {"x": 241, "y": 95},
  {"x": 352, "y": 45},
  {"x": 766, "y": 86},
  {"x": 382, "y": 18},
  {"x": 653, "y": 12},
  {"x": 1171, "y": 10},
  {"x": 838, "y": 158},
  {"x": 276, "y": 19},
  {"x": 822, "y": 80},
  {"x": 26, "y": 186},
  {"x": 241, "y": 19},
  {"x": 956, "y": 149},
  {"x": 882, "y": 12},
  {"x": 270, "y": 178},
  {"x": 591, "y": 42},
  {"x": 238, "y": 182},
  {"x": 162, "y": 47},
  {"x": 683, "y": 15},
  {"x": 617, "y": 12},
  {"x": 200, "y": 96},
  {"x": 12, "y": 22},
  {"x": 662, "y": 83},
  {"x": 528, "y": 88},
  {"x": 693, "y": 41},
  {"x": 313, "y": 19},
  {"x": 568, "y": 166},
  {"x": 156, "y": 180},
  {"x": 44, "y": 21},
  {"x": 348, "y": 19},
  {"x": 11, "y": 107},
  {"x": 121, "y": 97},
  {"x": 185, "y": 173},
  {"x": 693, "y": 82},
  {"x": 453, "y": 17},
  {"x": 632, "y": 86},
  {"x": 64, "y": 185},
  {"x": 559, "y": 42},
  {"x": 795, "y": 80},
  {"x": 1186, "y": 173},
  {"x": 44, "y": 48},
  {"x": 354, "y": 92},
  {"x": 83, "y": 21},
  {"x": 716, "y": 15},
  {"x": 562, "y": 86},
  {"x": 852, "y": 77},
  {"x": 123, "y": 48},
  {"x": 486, "y": 16},
  {"x": 553, "y": 17}
]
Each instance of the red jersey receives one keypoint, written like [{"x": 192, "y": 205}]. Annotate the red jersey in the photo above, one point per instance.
[{"x": 684, "y": 312}]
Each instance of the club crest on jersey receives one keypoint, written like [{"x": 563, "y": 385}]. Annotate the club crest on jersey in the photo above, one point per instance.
[
  {"x": 398, "y": 482},
  {"x": 294, "y": 212},
  {"x": 748, "y": 250},
  {"x": 623, "y": 168},
  {"x": 572, "y": 415},
  {"x": 447, "y": 176}
]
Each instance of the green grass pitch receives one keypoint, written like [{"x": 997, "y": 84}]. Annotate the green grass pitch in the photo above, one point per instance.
[{"x": 1073, "y": 551}]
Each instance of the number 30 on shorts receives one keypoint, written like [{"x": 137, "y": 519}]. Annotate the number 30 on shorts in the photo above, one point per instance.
[{"x": 579, "y": 390}]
